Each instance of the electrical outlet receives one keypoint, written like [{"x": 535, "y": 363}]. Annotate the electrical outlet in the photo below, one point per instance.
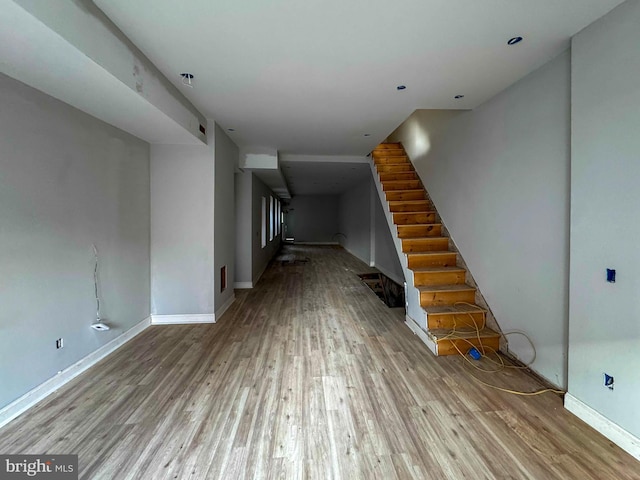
[
  {"x": 608, "y": 381},
  {"x": 59, "y": 343}
]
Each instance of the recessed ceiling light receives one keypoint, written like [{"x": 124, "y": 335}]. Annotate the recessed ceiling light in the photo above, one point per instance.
[
  {"x": 231, "y": 129},
  {"x": 401, "y": 87},
  {"x": 514, "y": 40},
  {"x": 186, "y": 79},
  {"x": 367, "y": 134},
  {"x": 458, "y": 97}
]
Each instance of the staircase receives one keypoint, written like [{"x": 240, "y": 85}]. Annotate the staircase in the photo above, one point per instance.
[{"x": 454, "y": 322}]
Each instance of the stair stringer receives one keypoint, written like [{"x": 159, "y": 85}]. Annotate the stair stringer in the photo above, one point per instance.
[
  {"x": 416, "y": 316},
  {"x": 415, "y": 313}
]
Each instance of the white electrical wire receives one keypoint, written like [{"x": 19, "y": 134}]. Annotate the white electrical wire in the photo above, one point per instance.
[{"x": 95, "y": 282}]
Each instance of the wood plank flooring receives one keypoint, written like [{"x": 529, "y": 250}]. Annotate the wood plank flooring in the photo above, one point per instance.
[{"x": 308, "y": 375}]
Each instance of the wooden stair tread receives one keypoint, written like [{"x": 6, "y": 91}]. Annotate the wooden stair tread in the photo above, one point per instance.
[
  {"x": 433, "y": 252},
  {"x": 452, "y": 309},
  {"x": 470, "y": 333},
  {"x": 462, "y": 287},
  {"x": 435, "y": 269},
  {"x": 407, "y": 202}
]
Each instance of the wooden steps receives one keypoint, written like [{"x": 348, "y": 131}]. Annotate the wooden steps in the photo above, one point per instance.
[
  {"x": 446, "y": 341},
  {"x": 414, "y": 218},
  {"x": 387, "y": 176},
  {"x": 419, "y": 230},
  {"x": 424, "y": 244},
  {"x": 452, "y": 318},
  {"x": 439, "y": 275},
  {"x": 401, "y": 185},
  {"x": 395, "y": 195},
  {"x": 395, "y": 167},
  {"x": 446, "y": 294},
  {"x": 410, "y": 206},
  {"x": 431, "y": 259}
]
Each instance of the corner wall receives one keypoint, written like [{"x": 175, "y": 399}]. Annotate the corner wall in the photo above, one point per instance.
[
  {"x": 67, "y": 181},
  {"x": 605, "y": 200},
  {"x": 499, "y": 177}
]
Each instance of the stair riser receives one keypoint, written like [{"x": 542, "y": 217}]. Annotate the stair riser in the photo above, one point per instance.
[
  {"x": 438, "y": 278},
  {"x": 389, "y": 152},
  {"x": 423, "y": 206},
  {"x": 424, "y": 244},
  {"x": 450, "y": 321},
  {"x": 389, "y": 146},
  {"x": 413, "y": 218},
  {"x": 401, "y": 185},
  {"x": 401, "y": 167},
  {"x": 446, "y": 297},
  {"x": 440, "y": 260},
  {"x": 445, "y": 347},
  {"x": 391, "y": 160},
  {"x": 410, "y": 231},
  {"x": 397, "y": 195},
  {"x": 398, "y": 176}
]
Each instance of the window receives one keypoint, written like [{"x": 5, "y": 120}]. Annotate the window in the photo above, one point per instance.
[
  {"x": 264, "y": 222},
  {"x": 271, "y": 219}
]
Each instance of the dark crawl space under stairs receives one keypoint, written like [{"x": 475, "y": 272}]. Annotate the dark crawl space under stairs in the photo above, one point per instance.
[{"x": 453, "y": 319}]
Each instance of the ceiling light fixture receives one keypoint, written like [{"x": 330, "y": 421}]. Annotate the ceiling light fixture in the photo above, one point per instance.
[
  {"x": 367, "y": 134},
  {"x": 514, "y": 40},
  {"x": 401, "y": 87},
  {"x": 458, "y": 97},
  {"x": 186, "y": 79},
  {"x": 231, "y": 129}
]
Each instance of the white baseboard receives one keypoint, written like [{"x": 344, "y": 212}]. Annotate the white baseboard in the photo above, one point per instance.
[
  {"x": 618, "y": 435},
  {"x": 422, "y": 335},
  {"x": 224, "y": 307},
  {"x": 46, "y": 388},
  {"x": 182, "y": 319},
  {"x": 242, "y": 285}
]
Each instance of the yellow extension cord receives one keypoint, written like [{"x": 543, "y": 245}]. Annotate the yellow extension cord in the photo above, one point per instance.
[{"x": 501, "y": 365}]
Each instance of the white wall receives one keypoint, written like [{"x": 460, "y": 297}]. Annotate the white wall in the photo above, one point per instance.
[
  {"x": 314, "y": 218},
  {"x": 499, "y": 177},
  {"x": 67, "y": 181},
  {"x": 605, "y": 168},
  {"x": 226, "y": 161},
  {"x": 354, "y": 220},
  {"x": 182, "y": 216}
]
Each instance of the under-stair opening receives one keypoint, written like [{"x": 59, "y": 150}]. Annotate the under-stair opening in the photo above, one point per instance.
[{"x": 390, "y": 292}]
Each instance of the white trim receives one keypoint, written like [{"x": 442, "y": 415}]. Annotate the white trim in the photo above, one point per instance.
[
  {"x": 422, "y": 335},
  {"x": 625, "y": 440},
  {"x": 372, "y": 263},
  {"x": 182, "y": 319},
  {"x": 46, "y": 388},
  {"x": 242, "y": 285},
  {"x": 224, "y": 308}
]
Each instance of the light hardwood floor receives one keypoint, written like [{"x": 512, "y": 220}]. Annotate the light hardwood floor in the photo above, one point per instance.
[{"x": 308, "y": 375}]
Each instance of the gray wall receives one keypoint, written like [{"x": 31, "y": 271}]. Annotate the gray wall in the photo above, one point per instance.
[
  {"x": 314, "y": 218},
  {"x": 226, "y": 160},
  {"x": 385, "y": 256},
  {"x": 182, "y": 215},
  {"x": 354, "y": 220},
  {"x": 67, "y": 181},
  {"x": 499, "y": 177},
  {"x": 367, "y": 235},
  {"x": 260, "y": 256},
  {"x": 243, "y": 185},
  {"x": 605, "y": 168}
]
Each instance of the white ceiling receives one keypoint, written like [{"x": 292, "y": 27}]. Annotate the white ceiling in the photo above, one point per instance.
[
  {"x": 323, "y": 178},
  {"x": 313, "y": 76}
]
